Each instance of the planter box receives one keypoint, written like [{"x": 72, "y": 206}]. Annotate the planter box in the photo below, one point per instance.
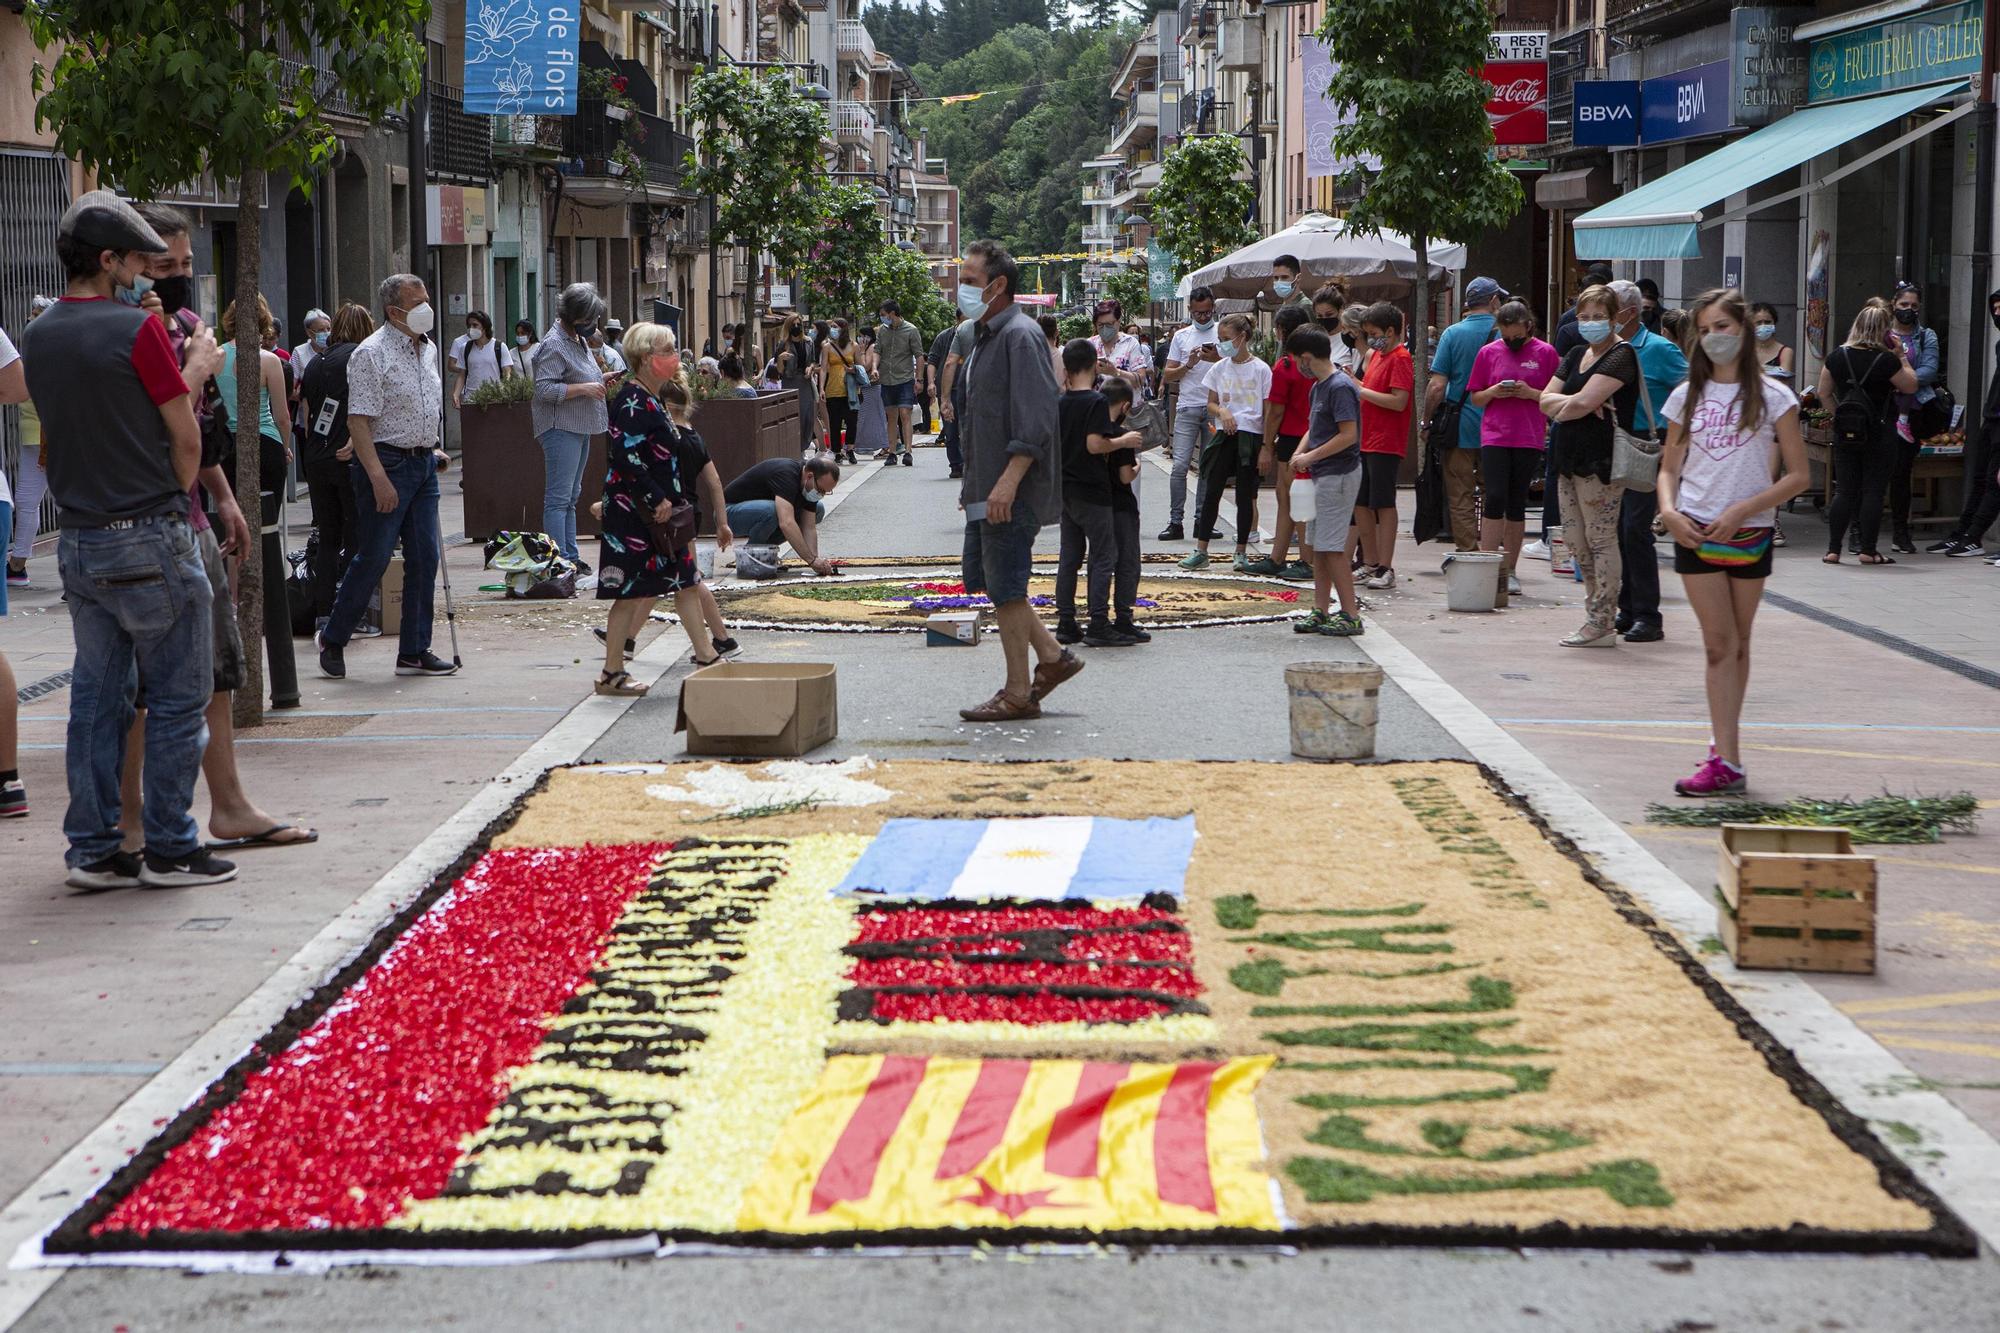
[
  {"x": 743, "y": 432},
  {"x": 1798, "y": 899},
  {"x": 501, "y": 473}
]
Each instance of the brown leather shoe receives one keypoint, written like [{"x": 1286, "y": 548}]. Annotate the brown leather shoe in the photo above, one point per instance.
[
  {"x": 1048, "y": 675},
  {"x": 1002, "y": 709}
]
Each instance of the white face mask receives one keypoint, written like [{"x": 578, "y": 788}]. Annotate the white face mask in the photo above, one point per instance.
[
  {"x": 520, "y": 340},
  {"x": 1721, "y": 347},
  {"x": 419, "y": 319}
]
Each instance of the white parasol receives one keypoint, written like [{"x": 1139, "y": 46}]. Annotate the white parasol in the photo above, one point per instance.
[{"x": 1378, "y": 267}]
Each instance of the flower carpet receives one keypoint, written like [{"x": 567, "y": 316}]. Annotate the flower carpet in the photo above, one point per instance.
[
  {"x": 1091, "y": 1001},
  {"x": 1164, "y": 601}
]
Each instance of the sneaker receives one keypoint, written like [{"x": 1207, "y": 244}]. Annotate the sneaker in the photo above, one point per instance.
[
  {"x": 1311, "y": 622},
  {"x": 1241, "y": 564},
  {"x": 1172, "y": 533},
  {"x": 631, "y": 645},
  {"x": 1903, "y": 430},
  {"x": 17, "y": 573},
  {"x": 367, "y": 631},
  {"x": 1132, "y": 631},
  {"x": 1513, "y": 583},
  {"x": 1943, "y": 545},
  {"x": 1263, "y": 565},
  {"x": 1106, "y": 635},
  {"x": 1382, "y": 578},
  {"x": 1966, "y": 547},
  {"x": 1194, "y": 560},
  {"x": 332, "y": 660},
  {"x": 1778, "y": 535},
  {"x": 426, "y": 663},
  {"x": 909, "y": 462},
  {"x": 1068, "y": 631},
  {"x": 1591, "y": 636},
  {"x": 726, "y": 647},
  {"x": 1994, "y": 561},
  {"x": 13, "y": 799},
  {"x": 1048, "y": 675},
  {"x": 1296, "y": 572},
  {"x": 198, "y": 867},
  {"x": 120, "y": 870},
  {"x": 1341, "y": 625},
  {"x": 1716, "y": 777},
  {"x": 583, "y": 567},
  {"x": 1536, "y": 550}
]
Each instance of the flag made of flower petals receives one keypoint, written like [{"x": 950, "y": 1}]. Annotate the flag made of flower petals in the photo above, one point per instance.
[{"x": 1035, "y": 859}]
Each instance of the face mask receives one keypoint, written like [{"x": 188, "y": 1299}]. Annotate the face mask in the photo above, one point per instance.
[
  {"x": 1721, "y": 347},
  {"x": 666, "y": 366},
  {"x": 420, "y": 318},
  {"x": 520, "y": 340},
  {"x": 1347, "y": 338},
  {"x": 1593, "y": 330},
  {"x": 1766, "y": 332},
  {"x": 1515, "y": 344},
  {"x": 1331, "y": 323},
  {"x": 476, "y": 334},
  {"x": 1226, "y": 346},
  {"x": 1379, "y": 344},
  {"x": 971, "y": 300},
  {"x": 1281, "y": 287},
  {"x": 728, "y": 343},
  {"x": 1204, "y": 325},
  {"x": 585, "y": 329},
  {"x": 321, "y": 339},
  {"x": 136, "y": 292},
  {"x": 1905, "y": 314},
  {"x": 176, "y": 293},
  {"x": 1108, "y": 333},
  {"x": 1996, "y": 323}
]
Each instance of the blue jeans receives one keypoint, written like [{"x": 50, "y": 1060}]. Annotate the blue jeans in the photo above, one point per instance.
[
  {"x": 415, "y": 521},
  {"x": 563, "y": 456},
  {"x": 1190, "y": 429},
  {"x": 757, "y": 520},
  {"x": 139, "y": 600}
]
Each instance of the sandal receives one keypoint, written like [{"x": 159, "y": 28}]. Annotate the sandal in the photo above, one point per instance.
[
  {"x": 698, "y": 664},
  {"x": 1830, "y": 558},
  {"x": 620, "y": 684},
  {"x": 1876, "y": 558}
]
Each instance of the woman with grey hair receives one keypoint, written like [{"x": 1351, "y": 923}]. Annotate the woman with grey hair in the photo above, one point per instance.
[
  {"x": 569, "y": 408},
  {"x": 318, "y": 328}
]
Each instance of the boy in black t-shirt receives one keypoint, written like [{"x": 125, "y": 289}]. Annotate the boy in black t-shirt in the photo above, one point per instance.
[
  {"x": 1086, "y": 502},
  {"x": 1123, "y": 466}
]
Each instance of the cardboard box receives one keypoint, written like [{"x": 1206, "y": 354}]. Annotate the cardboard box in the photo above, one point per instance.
[
  {"x": 759, "y": 708},
  {"x": 952, "y": 629},
  {"x": 385, "y": 604}
]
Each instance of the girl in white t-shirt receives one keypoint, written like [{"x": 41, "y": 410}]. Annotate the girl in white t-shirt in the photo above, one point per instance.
[{"x": 1728, "y": 428}]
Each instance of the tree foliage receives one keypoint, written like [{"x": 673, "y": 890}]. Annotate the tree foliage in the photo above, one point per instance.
[
  {"x": 937, "y": 34},
  {"x": 153, "y": 95},
  {"x": 757, "y": 150},
  {"x": 1200, "y": 210},
  {"x": 903, "y": 276},
  {"x": 850, "y": 234},
  {"x": 1128, "y": 288}
]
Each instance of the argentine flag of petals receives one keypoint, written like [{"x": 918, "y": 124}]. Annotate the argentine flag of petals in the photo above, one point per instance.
[{"x": 1041, "y": 858}]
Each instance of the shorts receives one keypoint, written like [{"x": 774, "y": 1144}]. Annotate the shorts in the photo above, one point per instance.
[
  {"x": 1690, "y": 562},
  {"x": 1000, "y": 556},
  {"x": 1333, "y": 507},
  {"x": 1378, "y": 480},
  {"x": 1286, "y": 446},
  {"x": 1505, "y": 474},
  {"x": 899, "y": 395}
]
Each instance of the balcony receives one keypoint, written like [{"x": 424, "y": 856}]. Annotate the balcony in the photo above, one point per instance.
[
  {"x": 1098, "y": 194},
  {"x": 854, "y": 123},
  {"x": 1140, "y": 59},
  {"x": 528, "y": 138},
  {"x": 1138, "y": 122},
  {"x": 855, "y": 43},
  {"x": 1099, "y": 233},
  {"x": 459, "y": 147},
  {"x": 600, "y": 173}
]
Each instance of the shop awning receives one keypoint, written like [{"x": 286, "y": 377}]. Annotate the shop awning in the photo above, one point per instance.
[
  {"x": 1662, "y": 219},
  {"x": 1574, "y": 189}
]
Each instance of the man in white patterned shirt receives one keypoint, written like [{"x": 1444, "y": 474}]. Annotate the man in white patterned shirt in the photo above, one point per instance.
[{"x": 394, "y": 398}]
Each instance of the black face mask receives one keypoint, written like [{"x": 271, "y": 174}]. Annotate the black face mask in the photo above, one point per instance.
[
  {"x": 1996, "y": 323},
  {"x": 1905, "y": 314},
  {"x": 1331, "y": 324},
  {"x": 176, "y": 293},
  {"x": 1515, "y": 344},
  {"x": 1347, "y": 338},
  {"x": 584, "y": 329}
]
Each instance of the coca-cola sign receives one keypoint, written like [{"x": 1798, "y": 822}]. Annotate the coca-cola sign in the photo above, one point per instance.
[{"x": 1518, "y": 107}]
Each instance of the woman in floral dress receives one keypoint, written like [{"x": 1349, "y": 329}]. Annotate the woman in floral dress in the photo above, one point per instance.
[{"x": 643, "y": 477}]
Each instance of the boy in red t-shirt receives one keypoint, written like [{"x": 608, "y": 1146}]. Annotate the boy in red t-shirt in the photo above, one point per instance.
[
  {"x": 1286, "y": 411},
  {"x": 1386, "y": 390}
]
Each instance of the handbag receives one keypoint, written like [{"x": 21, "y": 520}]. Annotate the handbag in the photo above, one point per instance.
[
  {"x": 1935, "y": 417},
  {"x": 677, "y": 532},
  {"x": 1742, "y": 548},
  {"x": 1635, "y": 458}
]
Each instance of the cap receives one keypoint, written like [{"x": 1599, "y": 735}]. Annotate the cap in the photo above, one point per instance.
[
  {"x": 102, "y": 219},
  {"x": 1481, "y": 290}
]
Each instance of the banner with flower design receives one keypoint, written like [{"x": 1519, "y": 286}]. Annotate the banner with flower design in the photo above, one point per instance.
[{"x": 521, "y": 57}]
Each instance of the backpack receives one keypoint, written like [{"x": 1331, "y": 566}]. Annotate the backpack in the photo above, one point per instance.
[{"x": 1857, "y": 418}]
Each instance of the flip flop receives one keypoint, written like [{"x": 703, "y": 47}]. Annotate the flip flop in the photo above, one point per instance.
[{"x": 266, "y": 839}]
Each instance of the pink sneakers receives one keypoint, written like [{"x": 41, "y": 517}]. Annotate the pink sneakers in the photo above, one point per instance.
[{"x": 1716, "y": 777}]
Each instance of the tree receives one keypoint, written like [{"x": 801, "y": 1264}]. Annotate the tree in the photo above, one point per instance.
[
  {"x": 150, "y": 96},
  {"x": 1407, "y": 67},
  {"x": 1200, "y": 207},
  {"x": 849, "y": 235},
  {"x": 757, "y": 150},
  {"x": 904, "y": 276},
  {"x": 1128, "y": 288}
]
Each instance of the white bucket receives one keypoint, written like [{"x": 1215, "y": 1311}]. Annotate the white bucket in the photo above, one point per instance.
[
  {"x": 1560, "y": 560},
  {"x": 704, "y": 561},
  {"x": 1472, "y": 580},
  {"x": 1334, "y": 707}
]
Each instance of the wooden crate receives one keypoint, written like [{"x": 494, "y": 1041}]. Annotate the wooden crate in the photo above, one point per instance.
[{"x": 1796, "y": 899}]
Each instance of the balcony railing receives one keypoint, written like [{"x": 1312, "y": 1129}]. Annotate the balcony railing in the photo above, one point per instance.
[
  {"x": 460, "y": 147},
  {"x": 854, "y": 122},
  {"x": 592, "y": 139},
  {"x": 1099, "y": 232},
  {"x": 854, "y": 42},
  {"x": 529, "y": 136}
]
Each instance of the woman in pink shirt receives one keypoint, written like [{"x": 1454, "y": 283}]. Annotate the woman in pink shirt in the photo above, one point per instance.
[{"x": 1506, "y": 384}]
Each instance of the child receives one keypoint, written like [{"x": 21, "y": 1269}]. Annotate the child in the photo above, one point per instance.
[
  {"x": 1508, "y": 376},
  {"x": 1286, "y": 411},
  {"x": 692, "y": 453},
  {"x": 1386, "y": 390},
  {"x": 1237, "y": 387},
  {"x": 1086, "y": 501},
  {"x": 1728, "y": 427},
  {"x": 1123, "y": 464},
  {"x": 1329, "y": 454}
]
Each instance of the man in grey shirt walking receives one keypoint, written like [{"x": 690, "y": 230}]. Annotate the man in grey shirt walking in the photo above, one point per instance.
[
  {"x": 1009, "y": 436},
  {"x": 899, "y": 350}
]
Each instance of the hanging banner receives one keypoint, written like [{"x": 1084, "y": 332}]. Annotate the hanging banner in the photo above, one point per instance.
[
  {"x": 1517, "y": 72},
  {"x": 520, "y": 58},
  {"x": 1160, "y": 279},
  {"x": 1323, "y": 116}
]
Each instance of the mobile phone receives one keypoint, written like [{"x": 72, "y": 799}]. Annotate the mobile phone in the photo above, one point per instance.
[{"x": 1509, "y": 384}]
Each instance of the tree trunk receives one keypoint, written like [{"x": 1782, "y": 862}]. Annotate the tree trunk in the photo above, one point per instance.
[
  {"x": 1420, "y": 324},
  {"x": 247, "y": 708}
]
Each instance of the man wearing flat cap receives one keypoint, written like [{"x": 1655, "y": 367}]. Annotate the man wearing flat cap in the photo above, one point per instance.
[{"x": 123, "y": 451}]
